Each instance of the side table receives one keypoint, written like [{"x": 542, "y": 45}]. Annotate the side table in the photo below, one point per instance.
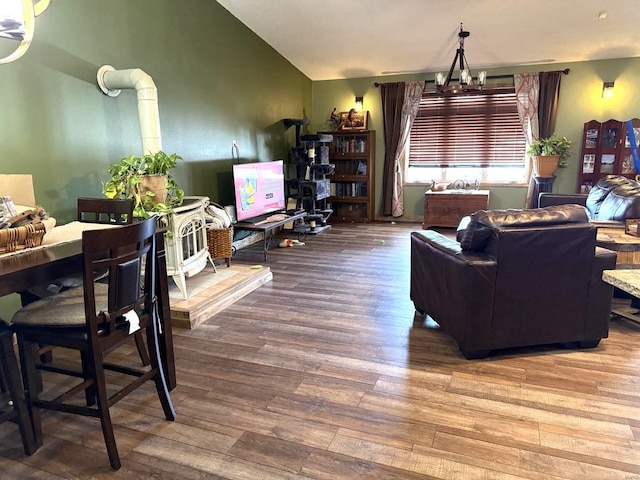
[{"x": 626, "y": 246}]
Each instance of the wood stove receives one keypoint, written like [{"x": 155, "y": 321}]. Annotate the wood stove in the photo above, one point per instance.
[{"x": 186, "y": 241}]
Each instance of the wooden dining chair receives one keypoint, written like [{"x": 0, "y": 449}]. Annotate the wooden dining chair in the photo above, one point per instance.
[
  {"x": 94, "y": 320},
  {"x": 105, "y": 210},
  {"x": 111, "y": 211},
  {"x": 15, "y": 411}
]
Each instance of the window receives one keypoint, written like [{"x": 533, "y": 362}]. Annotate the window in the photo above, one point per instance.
[{"x": 475, "y": 136}]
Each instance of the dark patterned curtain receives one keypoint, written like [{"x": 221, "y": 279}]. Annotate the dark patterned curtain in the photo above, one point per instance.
[
  {"x": 392, "y": 100},
  {"x": 538, "y": 119},
  {"x": 527, "y": 87},
  {"x": 548, "y": 102}
]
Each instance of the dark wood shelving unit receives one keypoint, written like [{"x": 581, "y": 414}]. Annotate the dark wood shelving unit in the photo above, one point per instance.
[{"x": 352, "y": 183}]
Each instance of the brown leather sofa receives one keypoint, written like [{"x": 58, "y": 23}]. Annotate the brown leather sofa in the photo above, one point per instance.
[
  {"x": 516, "y": 278},
  {"x": 613, "y": 198}
]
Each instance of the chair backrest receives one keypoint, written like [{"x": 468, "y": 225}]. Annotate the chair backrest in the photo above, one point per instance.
[
  {"x": 128, "y": 254},
  {"x": 105, "y": 210}
]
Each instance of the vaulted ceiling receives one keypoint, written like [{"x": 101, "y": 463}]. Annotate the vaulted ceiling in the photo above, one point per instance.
[{"x": 332, "y": 39}]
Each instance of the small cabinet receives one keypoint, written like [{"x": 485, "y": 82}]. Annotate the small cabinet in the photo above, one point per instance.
[
  {"x": 351, "y": 188},
  {"x": 447, "y": 208},
  {"x": 606, "y": 149}
]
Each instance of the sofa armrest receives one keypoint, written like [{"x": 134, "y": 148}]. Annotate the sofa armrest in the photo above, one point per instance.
[
  {"x": 454, "y": 287},
  {"x": 600, "y": 295},
  {"x": 547, "y": 199}
]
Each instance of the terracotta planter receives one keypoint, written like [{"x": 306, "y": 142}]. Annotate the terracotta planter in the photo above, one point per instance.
[
  {"x": 157, "y": 184},
  {"x": 545, "y": 165}
]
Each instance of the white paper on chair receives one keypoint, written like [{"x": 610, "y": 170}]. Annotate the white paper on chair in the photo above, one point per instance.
[{"x": 134, "y": 321}]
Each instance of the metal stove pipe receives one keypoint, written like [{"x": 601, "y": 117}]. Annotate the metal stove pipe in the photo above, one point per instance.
[{"x": 112, "y": 81}]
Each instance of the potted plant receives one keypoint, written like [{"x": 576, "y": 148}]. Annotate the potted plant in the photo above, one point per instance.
[
  {"x": 148, "y": 180},
  {"x": 548, "y": 154}
]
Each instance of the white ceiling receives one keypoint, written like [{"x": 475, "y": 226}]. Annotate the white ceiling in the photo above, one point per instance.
[{"x": 332, "y": 39}]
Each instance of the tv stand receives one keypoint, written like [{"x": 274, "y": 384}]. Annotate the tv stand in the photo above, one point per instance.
[{"x": 258, "y": 225}]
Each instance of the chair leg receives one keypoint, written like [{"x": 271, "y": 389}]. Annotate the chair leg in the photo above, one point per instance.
[
  {"x": 87, "y": 371},
  {"x": 9, "y": 365},
  {"x": 31, "y": 379},
  {"x": 142, "y": 348},
  {"x": 156, "y": 363},
  {"x": 100, "y": 383}
]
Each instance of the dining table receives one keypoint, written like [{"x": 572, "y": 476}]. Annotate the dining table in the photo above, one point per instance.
[{"x": 27, "y": 268}]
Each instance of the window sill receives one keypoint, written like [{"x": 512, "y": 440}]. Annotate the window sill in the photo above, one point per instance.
[{"x": 485, "y": 186}]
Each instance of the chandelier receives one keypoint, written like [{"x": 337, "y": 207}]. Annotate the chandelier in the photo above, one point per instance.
[
  {"x": 466, "y": 81},
  {"x": 17, "y": 23}
]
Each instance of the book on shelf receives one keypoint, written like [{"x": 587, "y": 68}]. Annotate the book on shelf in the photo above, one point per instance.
[
  {"x": 588, "y": 163},
  {"x": 591, "y": 138},
  {"x": 585, "y": 187}
]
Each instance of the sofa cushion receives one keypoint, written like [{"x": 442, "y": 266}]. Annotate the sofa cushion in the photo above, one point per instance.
[
  {"x": 483, "y": 222},
  {"x": 471, "y": 235},
  {"x": 621, "y": 203},
  {"x": 554, "y": 215},
  {"x": 601, "y": 190}
]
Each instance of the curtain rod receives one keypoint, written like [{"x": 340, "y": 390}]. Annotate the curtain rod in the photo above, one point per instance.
[{"x": 565, "y": 72}]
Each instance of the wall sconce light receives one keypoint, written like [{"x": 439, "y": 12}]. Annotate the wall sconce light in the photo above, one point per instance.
[
  {"x": 17, "y": 22},
  {"x": 607, "y": 89},
  {"x": 359, "y": 103}
]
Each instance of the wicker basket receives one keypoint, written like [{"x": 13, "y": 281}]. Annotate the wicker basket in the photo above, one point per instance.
[
  {"x": 220, "y": 242},
  {"x": 21, "y": 238}
]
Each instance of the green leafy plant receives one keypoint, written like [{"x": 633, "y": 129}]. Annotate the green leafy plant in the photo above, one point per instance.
[
  {"x": 126, "y": 179},
  {"x": 552, "y": 145}
]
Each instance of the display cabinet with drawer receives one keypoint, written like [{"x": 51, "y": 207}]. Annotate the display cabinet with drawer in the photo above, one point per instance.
[{"x": 447, "y": 208}]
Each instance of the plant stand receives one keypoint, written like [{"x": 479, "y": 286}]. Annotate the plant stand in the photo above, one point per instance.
[{"x": 543, "y": 184}]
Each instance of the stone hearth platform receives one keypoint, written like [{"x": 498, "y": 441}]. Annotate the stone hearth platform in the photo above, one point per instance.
[{"x": 210, "y": 292}]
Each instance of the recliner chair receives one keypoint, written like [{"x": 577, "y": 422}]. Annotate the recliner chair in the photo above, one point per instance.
[
  {"x": 613, "y": 198},
  {"x": 515, "y": 278}
]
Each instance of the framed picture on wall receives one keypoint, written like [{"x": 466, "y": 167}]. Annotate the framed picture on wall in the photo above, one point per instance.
[{"x": 353, "y": 120}]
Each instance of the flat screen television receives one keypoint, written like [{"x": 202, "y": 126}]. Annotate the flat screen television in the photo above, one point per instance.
[{"x": 259, "y": 189}]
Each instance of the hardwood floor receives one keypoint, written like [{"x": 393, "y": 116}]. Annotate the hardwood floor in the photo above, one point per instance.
[{"x": 322, "y": 374}]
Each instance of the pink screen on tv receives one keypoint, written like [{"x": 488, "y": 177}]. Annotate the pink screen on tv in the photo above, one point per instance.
[{"x": 259, "y": 188}]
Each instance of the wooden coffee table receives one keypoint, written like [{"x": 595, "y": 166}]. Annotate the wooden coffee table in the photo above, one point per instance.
[{"x": 626, "y": 246}]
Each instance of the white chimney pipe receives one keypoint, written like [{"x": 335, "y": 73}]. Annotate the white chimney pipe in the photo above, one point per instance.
[{"x": 111, "y": 81}]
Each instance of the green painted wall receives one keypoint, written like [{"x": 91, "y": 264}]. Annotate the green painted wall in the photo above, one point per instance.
[
  {"x": 216, "y": 80},
  {"x": 580, "y": 101}
]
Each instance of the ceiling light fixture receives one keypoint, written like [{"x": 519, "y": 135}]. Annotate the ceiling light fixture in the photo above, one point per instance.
[
  {"x": 17, "y": 22},
  {"x": 466, "y": 80}
]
